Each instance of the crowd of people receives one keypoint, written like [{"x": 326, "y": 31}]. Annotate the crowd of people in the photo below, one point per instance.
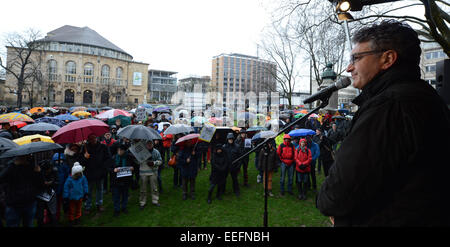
[{"x": 70, "y": 179}]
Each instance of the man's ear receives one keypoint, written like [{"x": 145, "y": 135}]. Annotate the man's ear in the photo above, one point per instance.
[{"x": 389, "y": 57}]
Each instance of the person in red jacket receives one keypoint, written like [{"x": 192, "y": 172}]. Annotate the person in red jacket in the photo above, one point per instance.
[
  {"x": 286, "y": 152},
  {"x": 167, "y": 143},
  {"x": 303, "y": 159}
]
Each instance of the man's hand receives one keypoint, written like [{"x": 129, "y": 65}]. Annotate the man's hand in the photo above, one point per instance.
[
  {"x": 87, "y": 155},
  {"x": 116, "y": 169},
  {"x": 188, "y": 160},
  {"x": 37, "y": 168},
  {"x": 332, "y": 220}
]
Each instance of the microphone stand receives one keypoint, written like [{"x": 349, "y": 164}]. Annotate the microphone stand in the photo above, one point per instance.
[{"x": 323, "y": 104}]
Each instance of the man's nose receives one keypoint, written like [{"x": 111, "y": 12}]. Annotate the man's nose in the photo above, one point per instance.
[{"x": 350, "y": 67}]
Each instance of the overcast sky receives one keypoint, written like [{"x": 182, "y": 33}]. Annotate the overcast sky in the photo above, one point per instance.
[{"x": 174, "y": 35}]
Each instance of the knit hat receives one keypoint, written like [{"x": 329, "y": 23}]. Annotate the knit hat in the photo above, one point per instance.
[{"x": 76, "y": 168}]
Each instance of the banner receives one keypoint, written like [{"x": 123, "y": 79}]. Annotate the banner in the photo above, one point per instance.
[
  {"x": 207, "y": 132},
  {"x": 124, "y": 172},
  {"x": 141, "y": 114},
  {"x": 140, "y": 151}
]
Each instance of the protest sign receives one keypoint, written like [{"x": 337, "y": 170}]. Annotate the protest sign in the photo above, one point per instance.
[
  {"x": 140, "y": 152},
  {"x": 141, "y": 114},
  {"x": 207, "y": 132},
  {"x": 124, "y": 171},
  {"x": 248, "y": 143}
]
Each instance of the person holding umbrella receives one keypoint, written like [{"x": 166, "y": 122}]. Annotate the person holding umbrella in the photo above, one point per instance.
[
  {"x": 22, "y": 181},
  {"x": 188, "y": 163},
  {"x": 95, "y": 158},
  {"x": 148, "y": 172}
]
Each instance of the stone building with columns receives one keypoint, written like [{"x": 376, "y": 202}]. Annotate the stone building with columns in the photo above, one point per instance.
[{"x": 80, "y": 67}]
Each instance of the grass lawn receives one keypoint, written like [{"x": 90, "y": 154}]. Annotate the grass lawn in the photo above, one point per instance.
[{"x": 246, "y": 211}]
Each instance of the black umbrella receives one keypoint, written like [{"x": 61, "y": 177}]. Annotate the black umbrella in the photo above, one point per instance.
[
  {"x": 139, "y": 132},
  {"x": 41, "y": 127},
  {"x": 6, "y": 144},
  {"x": 30, "y": 148}
]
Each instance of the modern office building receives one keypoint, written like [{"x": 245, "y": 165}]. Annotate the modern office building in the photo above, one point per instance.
[
  {"x": 162, "y": 85},
  {"x": 80, "y": 67},
  {"x": 235, "y": 75},
  {"x": 431, "y": 54}
]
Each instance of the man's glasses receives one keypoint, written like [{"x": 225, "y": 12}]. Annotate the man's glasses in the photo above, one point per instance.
[{"x": 355, "y": 57}]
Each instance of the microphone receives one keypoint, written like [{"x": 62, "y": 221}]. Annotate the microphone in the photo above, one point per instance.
[{"x": 326, "y": 92}]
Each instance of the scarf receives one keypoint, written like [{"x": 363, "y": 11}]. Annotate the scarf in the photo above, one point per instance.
[{"x": 121, "y": 160}]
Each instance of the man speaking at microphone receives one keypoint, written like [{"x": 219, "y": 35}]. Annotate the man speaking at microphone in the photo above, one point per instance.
[{"x": 392, "y": 169}]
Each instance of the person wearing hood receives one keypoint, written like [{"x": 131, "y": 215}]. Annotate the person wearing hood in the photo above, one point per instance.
[
  {"x": 315, "y": 153},
  {"x": 240, "y": 141},
  {"x": 114, "y": 132},
  {"x": 286, "y": 153},
  {"x": 268, "y": 158},
  {"x": 232, "y": 152},
  {"x": 187, "y": 161},
  {"x": 303, "y": 159},
  {"x": 219, "y": 166}
]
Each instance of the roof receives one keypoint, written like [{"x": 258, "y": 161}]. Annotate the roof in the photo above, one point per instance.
[{"x": 80, "y": 35}]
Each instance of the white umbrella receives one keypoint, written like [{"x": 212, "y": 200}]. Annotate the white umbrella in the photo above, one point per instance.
[
  {"x": 178, "y": 128},
  {"x": 161, "y": 125}
]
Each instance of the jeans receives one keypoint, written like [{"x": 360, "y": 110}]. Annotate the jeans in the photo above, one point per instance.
[
  {"x": 290, "y": 171},
  {"x": 25, "y": 214},
  {"x": 99, "y": 194},
  {"x": 120, "y": 194},
  {"x": 302, "y": 177}
]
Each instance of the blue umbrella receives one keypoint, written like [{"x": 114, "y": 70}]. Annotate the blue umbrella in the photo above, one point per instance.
[
  {"x": 145, "y": 105},
  {"x": 65, "y": 117},
  {"x": 162, "y": 109},
  {"x": 50, "y": 120},
  {"x": 302, "y": 132}
]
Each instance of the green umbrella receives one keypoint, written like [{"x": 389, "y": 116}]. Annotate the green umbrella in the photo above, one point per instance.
[
  {"x": 124, "y": 121},
  {"x": 299, "y": 115}
]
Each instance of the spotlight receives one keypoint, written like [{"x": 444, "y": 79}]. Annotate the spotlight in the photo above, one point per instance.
[{"x": 344, "y": 6}]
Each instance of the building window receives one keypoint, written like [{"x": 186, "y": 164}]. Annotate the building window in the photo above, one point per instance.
[
  {"x": 52, "y": 70},
  {"x": 88, "y": 73},
  {"x": 119, "y": 72},
  {"x": 69, "y": 96},
  {"x": 105, "y": 74},
  {"x": 135, "y": 100},
  {"x": 87, "y": 97},
  {"x": 104, "y": 99},
  {"x": 119, "y": 97},
  {"x": 430, "y": 68},
  {"x": 71, "y": 71}
]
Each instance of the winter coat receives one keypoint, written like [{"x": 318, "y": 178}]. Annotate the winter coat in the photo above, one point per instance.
[
  {"x": 287, "y": 156},
  {"x": 232, "y": 152},
  {"x": 385, "y": 171},
  {"x": 166, "y": 140},
  {"x": 242, "y": 149},
  {"x": 268, "y": 157},
  {"x": 122, "y": 161},
  {"x": 188, "y": 170},
  {"x": 98, "y": 162},
  {"x": 63, "y": 171},
  {"x": 303, "y": 158},
  {"x": 219, "y": 168},
  {"x": 145, "y": 168},
  {"x": 315, "y": 150},
  {"x": 71, "y": 158},
  {"x": 326, "y": 147},
  {"x": 75, "y": 189},
  {"x": 335, "y": 136},
  {"x": 22, "y": 184}
]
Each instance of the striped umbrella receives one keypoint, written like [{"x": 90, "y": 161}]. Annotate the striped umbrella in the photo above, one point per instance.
[{"x": 11, "y": 117}]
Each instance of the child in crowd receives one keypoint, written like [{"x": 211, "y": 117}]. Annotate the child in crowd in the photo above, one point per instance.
[{"x": 75, "y": 191}]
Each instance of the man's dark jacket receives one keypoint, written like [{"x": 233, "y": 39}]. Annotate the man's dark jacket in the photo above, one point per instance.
[
  {"x": 392, "y": 169},
  {"x": 98, "y": 163}
]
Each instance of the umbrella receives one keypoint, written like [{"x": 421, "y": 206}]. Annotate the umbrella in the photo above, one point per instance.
[
  {"x": 105, "y": 108},
  {"x": 287, "y": 111},
  {"x": 51, "y": 120},
  {"x": 313, "y": 116},
  {"x": 256, "y": 128},
  {"x": 214, "y": 120},
  {"x": 145, "y": 105},
  {"x": 124, "y": 121},
  {"x": 50, "y": 109},
  {"x": 19, "y": 124},
  {"x": 41, "y": 127},
  {"x": 304, "y": 111},
  {"x": 6, "y": 144},
  {"x": 32, "y": 138},
  {"x": 64, "y": 117},
  {"x": 283, "y": 116},
  {"x": 112, "y": 113},
  {"x": 10, "y": 117},
  {"x": 264, "y": 135},
  {"x": 81, "y": 114},
  {"x": 161, "y": 125},
  {"x": 193, "y": 138},
  {"x": 301, "y": 132},
  {"x": 161, "y": 109},
  {"x": 77, "y": 108},
  {"x": 198, "y": 119},
  {"x": 140, "y": 132},
  {"x": 80, "y": 130},
  {"x": 37, "y": 110},
  {"x": 280, "y": 122},
  {"x": 178, "y": 128},
  {"x": 299, "y": 115},
  {"x": 338, "y": 117},
  {"x": 30, "y": 148}
]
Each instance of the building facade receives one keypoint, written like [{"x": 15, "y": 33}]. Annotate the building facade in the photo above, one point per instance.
[
  {"x": 431, "y": 54},
  {"x": 80, "y": 67},
  {"x": 162, "y": 85},
  {"x": 235, "y": 75}
]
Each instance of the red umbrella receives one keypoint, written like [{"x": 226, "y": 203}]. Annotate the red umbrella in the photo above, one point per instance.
[
  {"x": 193, "y": 138},
  {"x": 80, "y": 130},
  {"x": 19, "y": 124}
]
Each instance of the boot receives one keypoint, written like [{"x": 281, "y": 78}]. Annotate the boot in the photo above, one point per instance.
[
  {"x": 304, "y": 192},
  {"x": 300, "y": 191}
]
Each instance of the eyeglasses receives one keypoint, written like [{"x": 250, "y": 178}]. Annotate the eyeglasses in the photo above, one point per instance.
[{"x": 355, "y": 57}]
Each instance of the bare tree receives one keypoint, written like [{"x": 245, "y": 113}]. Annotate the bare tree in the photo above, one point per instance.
[
  {"x": 19, "y": 62},
  {"x": 278, "y": 47}
]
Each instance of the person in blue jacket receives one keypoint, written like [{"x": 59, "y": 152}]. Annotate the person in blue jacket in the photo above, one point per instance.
[
  {"x": 75, "y": 191},
  {"x": 315, "y": 153},
  {"x": 63, "y": 171}
]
